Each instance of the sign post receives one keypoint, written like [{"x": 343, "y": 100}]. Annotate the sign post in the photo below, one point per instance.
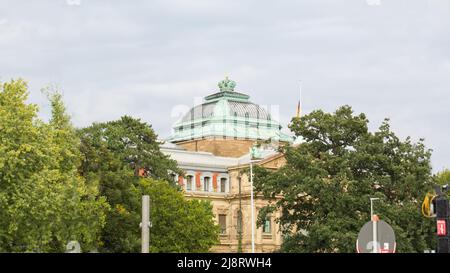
[
  {"x": 145, "y": 224},
  {"x": 374, "y": 225}
]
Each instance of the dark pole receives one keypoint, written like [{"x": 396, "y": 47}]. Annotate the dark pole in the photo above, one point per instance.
[{"x": 442, "y": 221}]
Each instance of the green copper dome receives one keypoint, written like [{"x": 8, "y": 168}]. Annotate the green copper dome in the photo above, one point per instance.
[{"x": 228, "y": 114}]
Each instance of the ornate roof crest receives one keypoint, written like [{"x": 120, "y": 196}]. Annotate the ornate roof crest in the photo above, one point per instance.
[{"x": 227, "y": 85}]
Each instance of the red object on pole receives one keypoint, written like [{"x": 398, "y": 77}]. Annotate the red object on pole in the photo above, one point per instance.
[{"x": 441, "y": 228}]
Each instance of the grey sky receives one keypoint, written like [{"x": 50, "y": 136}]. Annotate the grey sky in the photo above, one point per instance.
[{"x": 150, "y": 59}]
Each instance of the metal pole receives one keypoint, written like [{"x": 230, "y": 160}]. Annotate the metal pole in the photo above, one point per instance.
[
  {"x": 374, "y": 237},
  {"x": 374, "y": 227},
  {"x": 252, "y": 206},
  {"x": 371, "y": 209},
  {"x": 145, "y": 224}
]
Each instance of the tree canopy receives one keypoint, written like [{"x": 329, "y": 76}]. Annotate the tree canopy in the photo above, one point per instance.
[
  {"x": 443, "y": 177},
  {"x": 124, "y": 158},
  {"x": 329, "y": 178},
  {"x": 178, "y": 225},
  {"x": 44, "y": 202},
  {"x": 58, "y": 184}
]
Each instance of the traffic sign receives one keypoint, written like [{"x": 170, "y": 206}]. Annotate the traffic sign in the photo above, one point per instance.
[
  {"x": 385, "y": 238},
  {"x": 441, "y": 228}
]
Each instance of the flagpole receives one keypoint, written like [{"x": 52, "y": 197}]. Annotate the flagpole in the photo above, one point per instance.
[
  {"x": 299, "y": 101},
  {"x": 301, "y": 85}
]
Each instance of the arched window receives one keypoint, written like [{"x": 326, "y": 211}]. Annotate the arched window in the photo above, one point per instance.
[
  {"x": 223, "y": 223},
  {"x": 189, "y": 179},
  {"x": 223, "y": 184},
  {"x": 206, "y": 181},
  {"x": 239, "y": 224},
  {"x": 267, "y": 228}
]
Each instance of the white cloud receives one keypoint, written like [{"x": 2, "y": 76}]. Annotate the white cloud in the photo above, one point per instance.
[{"x": 152, "y": 59}]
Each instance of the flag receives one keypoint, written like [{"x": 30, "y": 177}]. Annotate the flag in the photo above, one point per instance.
[{"x": 298, "y": 105}]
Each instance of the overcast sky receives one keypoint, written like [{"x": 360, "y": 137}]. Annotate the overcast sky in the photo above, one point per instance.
[{"x": 155, "y": 59}]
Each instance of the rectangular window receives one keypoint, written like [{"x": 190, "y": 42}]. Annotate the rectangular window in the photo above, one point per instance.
[
  {"x": 206, "y": 183},
  {"x": 223, "y": 223},
  {"x": 223, "y": 184},
  {"x": 267, "y": 228},
  {"x": 189, "y": 183},
  {"x": 239, "y": 223}
]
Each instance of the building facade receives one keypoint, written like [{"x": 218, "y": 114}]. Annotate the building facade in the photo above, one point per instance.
[{"x": 211, "y": 143}]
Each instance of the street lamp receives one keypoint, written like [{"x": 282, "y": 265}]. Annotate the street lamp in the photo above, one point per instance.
[
  {"x": 371, "y": 206},
  {"x": 374, "y": 226},
  {"x": 254, "y": 155}
]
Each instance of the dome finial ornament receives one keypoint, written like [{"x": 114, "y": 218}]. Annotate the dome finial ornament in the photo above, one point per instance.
[{"x": 227, "y": 85}]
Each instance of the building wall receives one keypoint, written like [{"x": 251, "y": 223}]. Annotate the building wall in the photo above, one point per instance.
[
  {"x": 275, "y": 163},
  {"x": 228, "y": 204},
  {"x": 227, "y": 147}
]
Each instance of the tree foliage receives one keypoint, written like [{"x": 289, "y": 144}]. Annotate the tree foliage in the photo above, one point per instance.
[
  {"x": 179, "y": 225},
  {"x": 114, "y": 153},
  {"x": 443, "y": 178},
  {"x": 329, "y": 178},
  {"x": 44, "y": 202}
]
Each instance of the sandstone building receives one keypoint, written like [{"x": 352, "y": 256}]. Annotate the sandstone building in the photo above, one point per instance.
[{"x": 211, "y": 144}]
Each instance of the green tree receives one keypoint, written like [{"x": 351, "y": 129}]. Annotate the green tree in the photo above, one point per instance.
[
  {"x": 443, "y": 178},
  {"x": 44, "y": 202},
  {"x": 115, "y": 153},
  {"x": 178, "y": 225},
  {"x": 329, "y": 178}
]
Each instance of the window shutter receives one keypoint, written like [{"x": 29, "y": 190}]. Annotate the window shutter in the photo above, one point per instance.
[
  {"x": 215, "y": 181},
  {"x": 198, "y": 183},
  {"x": 180, "y": 180}
]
